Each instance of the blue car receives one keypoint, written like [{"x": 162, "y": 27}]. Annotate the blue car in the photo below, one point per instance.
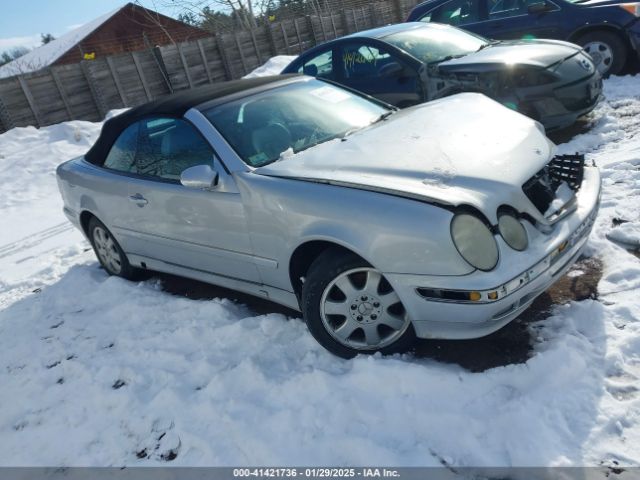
[{"x": 608, "y": 30}]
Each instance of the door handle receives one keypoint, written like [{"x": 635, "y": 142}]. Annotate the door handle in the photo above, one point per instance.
[{"x": 138, "y": 199}]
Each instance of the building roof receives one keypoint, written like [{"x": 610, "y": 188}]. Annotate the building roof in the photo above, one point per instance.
[
  {"x": 45, "y": 55},
  {"x": 175, "y": 105}
]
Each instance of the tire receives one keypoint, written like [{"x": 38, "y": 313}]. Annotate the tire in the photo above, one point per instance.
[
  {"x": 607, "y": 49},
  {"x": 350, "y": 308},
  {"x": 108, "y": 251}
]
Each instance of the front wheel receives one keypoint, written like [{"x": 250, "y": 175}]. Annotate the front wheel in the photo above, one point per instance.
[
  {"x": 607, "y": 49},
  {"x": 350, "y": 308}
]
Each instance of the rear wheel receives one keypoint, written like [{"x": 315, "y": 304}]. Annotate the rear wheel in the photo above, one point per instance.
[
  {"x": 351, "y": 308},
  {"x": 607, "y": 49},
  {"x": 109, "y": 253}
]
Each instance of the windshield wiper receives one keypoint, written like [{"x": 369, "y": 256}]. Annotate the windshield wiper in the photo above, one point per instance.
[
  {"x": 448, "y": 57},
  {"x": 485, "y": 45},
  {"x": 380, "y": 118},
  {"x": 384, "y": 116}
]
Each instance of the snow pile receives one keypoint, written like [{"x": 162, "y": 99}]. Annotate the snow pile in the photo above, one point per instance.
[
  {"x": 273, "y": 66},
  {"x": 128, "y": 374},
  {"x": 33, "y": 224}
]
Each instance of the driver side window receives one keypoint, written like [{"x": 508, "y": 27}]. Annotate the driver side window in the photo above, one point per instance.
[
  {"x": 455, "y": 12},
  {"x": 363, "y": 61},
  {"x": 509, "y": 8},
  {"x": 319, "y": 66},
  {"x": 168, "y": 146}
]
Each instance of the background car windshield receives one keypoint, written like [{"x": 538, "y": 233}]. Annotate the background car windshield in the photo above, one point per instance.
[
  {"x": 436, "y": 42},
  {"x": 290, "y": 118}
]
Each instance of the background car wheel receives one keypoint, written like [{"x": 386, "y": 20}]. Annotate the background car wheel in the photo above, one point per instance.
[
  {"x": 350, "y": 307},
  {"x": 109, "y": 253},
  {"x": 607, "y": 50}
]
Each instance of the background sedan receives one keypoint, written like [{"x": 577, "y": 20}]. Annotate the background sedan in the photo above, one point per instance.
[
  {"x": 608, "y": 30},
  {"x": 552, "y": 82}
]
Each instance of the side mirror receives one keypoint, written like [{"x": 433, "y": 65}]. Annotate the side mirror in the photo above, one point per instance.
[
  {"x": 393, "y": 69},
  {"x": 202, "y": 177},
  {"x": 539, "y": 7}
]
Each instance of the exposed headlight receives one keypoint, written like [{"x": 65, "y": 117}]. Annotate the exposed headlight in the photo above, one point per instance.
[
  {"x": 513, "y": 231},
  {"x": 474, "y": 241},
  {"x": 532, "y": 77}
]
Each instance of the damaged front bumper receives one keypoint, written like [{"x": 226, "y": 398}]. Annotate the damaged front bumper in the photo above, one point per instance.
[
  {"x": 501, "y": 295},
  {"x": 566, "y": 103}
]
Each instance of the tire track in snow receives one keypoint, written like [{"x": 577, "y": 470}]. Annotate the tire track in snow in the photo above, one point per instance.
[{"x": 33, "y": 240}]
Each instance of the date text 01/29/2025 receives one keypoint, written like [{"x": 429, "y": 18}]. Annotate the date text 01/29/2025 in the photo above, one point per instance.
[{"x": 315, "y": 472}]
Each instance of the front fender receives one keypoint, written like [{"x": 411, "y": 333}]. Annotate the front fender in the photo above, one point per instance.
[{"x": 394, "y": 234}]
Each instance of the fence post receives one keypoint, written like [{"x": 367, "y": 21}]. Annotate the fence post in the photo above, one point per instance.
[
  {"x": 136, "y": 62},
  {"x": 272, "y": 41},
  {"x": 116, "y": 80},
  {"x": 255, "y": 46},
  {"x": 285, "y": 38},
  {"x": 333, "y": 25},
  {"x": 312, "y": 30},
  {"x": 373, "y": 14},
  {"x": 5, "y": 117},
  {"x": 324, "y": 33},
  {"x": 61, "y": 91},
  {"x": 295, "y": 25},
  {"x": 157, "y": 55},
  {"x": 183, "y": 60},
  {"x": 345, "y": 22},
  {"x": 204, "y": 60},
  {"x": 223, "y": 56},
  {"x": 397, "y": 6},
  {"x": 245, "y": 70},
  {"x": 30, "y": 100},
  {"x": 98, "y": 99}
]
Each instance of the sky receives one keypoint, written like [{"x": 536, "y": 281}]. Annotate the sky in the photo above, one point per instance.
[{"x": 22, "y": 21}]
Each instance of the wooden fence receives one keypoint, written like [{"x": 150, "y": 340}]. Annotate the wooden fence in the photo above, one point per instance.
[{"x": 88, "y": 90}]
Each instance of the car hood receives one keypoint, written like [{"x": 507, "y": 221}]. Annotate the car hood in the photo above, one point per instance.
[
  {"x": 538, "y": 53},
  {"x": 464, "y": 149}
]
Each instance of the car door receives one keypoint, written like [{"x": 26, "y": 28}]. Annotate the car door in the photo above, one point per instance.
[
  {"x": 512, "y": 19},
  {"x": 374, "y": 70},
  {"x": 204, "y": 230},
  {"x": 110, "y": 189}
]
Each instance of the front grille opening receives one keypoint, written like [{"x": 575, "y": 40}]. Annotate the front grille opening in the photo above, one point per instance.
[{"x": 541, "y": 188}]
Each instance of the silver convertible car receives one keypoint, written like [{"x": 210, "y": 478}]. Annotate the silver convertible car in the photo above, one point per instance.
[{"x": 444, "y": 220}]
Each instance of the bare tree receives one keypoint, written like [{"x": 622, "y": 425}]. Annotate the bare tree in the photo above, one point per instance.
[{"x": 244, "y": 12}]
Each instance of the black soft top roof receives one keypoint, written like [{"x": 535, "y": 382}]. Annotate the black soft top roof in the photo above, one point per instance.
[{"x": 174, "y": 105}]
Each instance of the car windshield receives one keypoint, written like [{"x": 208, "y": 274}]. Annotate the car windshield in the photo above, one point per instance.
[
  {"x": 271, "y": 125},
  {"x": 435, "y": 43}
]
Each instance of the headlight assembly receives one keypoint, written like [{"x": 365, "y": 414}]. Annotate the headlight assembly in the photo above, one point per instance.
[
  {"x": 513, "y": 232},
  {"x": 632, "y": 8},
  {"x": 474, "y": 241}
]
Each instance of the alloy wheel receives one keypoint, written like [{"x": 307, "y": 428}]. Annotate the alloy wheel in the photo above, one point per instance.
[
  {"x": 107, "y": 250},
  {"x": 360, "y": 310}
]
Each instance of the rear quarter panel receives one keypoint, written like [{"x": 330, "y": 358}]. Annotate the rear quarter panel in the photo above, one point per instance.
[{"x": 87, "y": 188}]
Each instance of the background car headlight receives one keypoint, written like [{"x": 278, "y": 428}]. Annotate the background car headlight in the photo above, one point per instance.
[
  {"x": 474, "y": 241},
  {"x": 632, "y": 8},
  {"x": 513, "y": 232}
]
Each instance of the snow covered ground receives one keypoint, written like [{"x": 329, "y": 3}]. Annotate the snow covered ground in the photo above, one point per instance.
[{"x": 96, "y": 370}]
